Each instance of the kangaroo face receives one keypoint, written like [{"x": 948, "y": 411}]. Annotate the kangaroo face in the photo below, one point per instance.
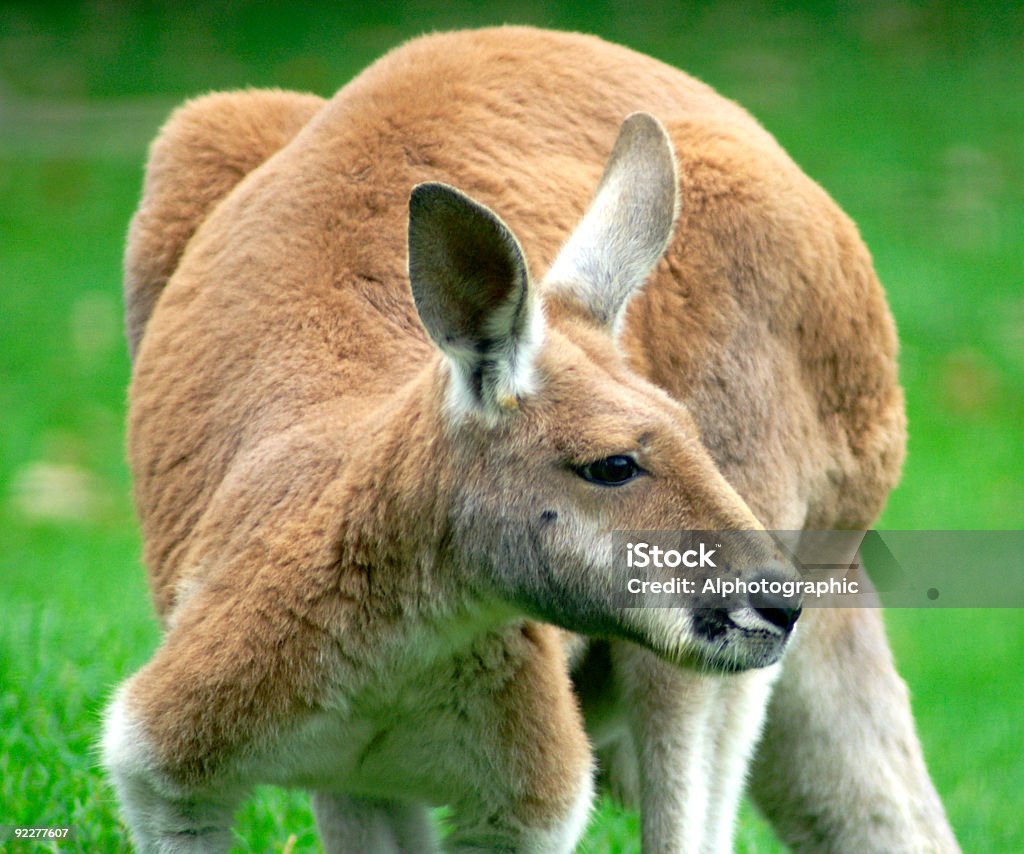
[
  {"x": 593, "y": 451},
  {"x": 552, "y": 443}
]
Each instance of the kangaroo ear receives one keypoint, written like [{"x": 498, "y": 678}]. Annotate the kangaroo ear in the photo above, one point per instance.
[
  {"x": 472, "y": 291},
  {"x": 627, "y": 227}
]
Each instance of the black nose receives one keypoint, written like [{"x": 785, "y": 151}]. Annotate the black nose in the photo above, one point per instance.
[
  {"x": 784, "y": 618},
  {"x": 773, "y": 604}
]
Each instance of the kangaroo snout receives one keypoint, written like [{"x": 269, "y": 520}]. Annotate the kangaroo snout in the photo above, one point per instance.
[
  {"x": 746, "y": 617},
  {"x": 773, "y": 598}
]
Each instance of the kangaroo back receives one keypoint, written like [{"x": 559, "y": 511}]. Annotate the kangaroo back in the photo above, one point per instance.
[{"x": 207, "y": 146}]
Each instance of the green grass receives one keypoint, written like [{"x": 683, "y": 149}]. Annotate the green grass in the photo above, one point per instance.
[{"x": 910, "y": 116}]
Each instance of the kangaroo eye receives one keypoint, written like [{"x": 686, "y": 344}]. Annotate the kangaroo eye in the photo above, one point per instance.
[{"x": 611, "y": 471}]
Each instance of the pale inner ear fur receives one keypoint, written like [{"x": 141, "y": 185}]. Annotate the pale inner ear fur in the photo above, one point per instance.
[
  {"x": 627, "y": 226},
  {"x": 473, "y": 293}
]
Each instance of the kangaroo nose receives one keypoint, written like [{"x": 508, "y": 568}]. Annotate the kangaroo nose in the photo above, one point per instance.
[{"x": 773, "y": 604}]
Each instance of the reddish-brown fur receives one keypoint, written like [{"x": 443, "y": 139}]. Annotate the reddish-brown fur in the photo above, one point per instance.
[{"x": 268, "y": 302}]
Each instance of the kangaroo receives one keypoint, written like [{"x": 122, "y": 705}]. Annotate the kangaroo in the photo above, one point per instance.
[{"x": 377, "y": 462}]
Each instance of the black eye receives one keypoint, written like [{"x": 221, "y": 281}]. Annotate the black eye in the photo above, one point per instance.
[{"x": 611, "y": 471}]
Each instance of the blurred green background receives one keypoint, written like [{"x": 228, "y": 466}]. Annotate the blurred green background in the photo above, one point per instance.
[{"x": 911, "y": 115}]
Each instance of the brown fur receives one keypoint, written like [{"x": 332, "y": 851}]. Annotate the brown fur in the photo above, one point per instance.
[{"x": 268, "y": 300}]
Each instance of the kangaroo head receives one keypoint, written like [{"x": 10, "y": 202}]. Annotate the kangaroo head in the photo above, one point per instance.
[{"x": 549, "y": 442}]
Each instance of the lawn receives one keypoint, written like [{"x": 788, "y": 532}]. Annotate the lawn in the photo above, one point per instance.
[{"x": 911, "y": 116}]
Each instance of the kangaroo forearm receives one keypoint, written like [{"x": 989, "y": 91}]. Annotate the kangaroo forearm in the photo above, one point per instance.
[{"x": 840, "y": 767}]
